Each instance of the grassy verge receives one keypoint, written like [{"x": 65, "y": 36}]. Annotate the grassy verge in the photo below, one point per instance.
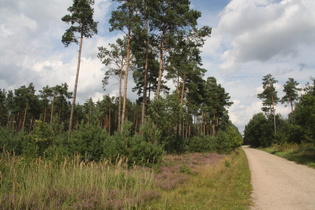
[
  {"x": 301, "y": 153},
  {"x": 211, "y": 182},
  {"x": 72, "y": 184},
  {"x": 191, "y": 181}
]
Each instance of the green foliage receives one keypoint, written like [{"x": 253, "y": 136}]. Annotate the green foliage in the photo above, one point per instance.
[
  {"x": 304, "y": 116},
  {"x": 81, "y": 20},
  {"x": 136, "y": 149},
  {"x": 38, "y": 141},
  {"x": 201, "y": 144},
  {"x": 258, "y": 132},
  {"x": 10, "y": 140},
  {"x": 86, "y": 141},
  {"x": 235, "y": 137}
]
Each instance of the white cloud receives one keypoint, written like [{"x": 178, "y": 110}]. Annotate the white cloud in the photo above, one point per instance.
[{"x": 261, "y": 30}]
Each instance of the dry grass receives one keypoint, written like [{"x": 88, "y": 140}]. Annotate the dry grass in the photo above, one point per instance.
[
  {"x": 73, "y": 185},
  {"x": 191, "y": 181}
]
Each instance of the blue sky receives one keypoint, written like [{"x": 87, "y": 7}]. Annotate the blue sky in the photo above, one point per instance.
[{"x": 251, "y": 38}]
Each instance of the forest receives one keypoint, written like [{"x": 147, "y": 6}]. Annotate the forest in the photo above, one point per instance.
[{"x": 161, "y": 44}]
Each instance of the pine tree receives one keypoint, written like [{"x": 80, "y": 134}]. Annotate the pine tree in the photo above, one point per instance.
[
  {"x": 269, "y": 97},
  {"x": 82, "y": 23},
  {"x": 291, "y": 93}
]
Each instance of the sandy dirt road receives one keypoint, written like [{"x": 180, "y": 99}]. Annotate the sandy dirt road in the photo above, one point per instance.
[{"x": 279, "y": 183}]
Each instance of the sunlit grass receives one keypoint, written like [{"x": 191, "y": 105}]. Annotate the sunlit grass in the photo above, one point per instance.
[{"x": 303, "y": 153}]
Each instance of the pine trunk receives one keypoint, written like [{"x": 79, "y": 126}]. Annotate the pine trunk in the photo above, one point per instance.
[
  {"x": 126, "y": 81},
  {"x": 52, "y": 109},
  {"x": 145, "y": 82},
  {"x": 161, "y": 66},
  {"x": 76, "y": 84}
]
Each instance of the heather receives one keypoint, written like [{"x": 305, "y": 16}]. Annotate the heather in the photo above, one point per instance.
[{"x": 76, "y": 184}]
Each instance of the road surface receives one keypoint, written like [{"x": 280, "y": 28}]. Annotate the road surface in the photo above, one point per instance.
[{"x": 279, "y": 183}]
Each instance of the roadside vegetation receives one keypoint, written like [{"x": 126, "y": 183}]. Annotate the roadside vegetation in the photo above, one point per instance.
[
  {"x": 303, "y": 153},
  {"x": 193, "y": 181},
  {"x": 293, "y": 137}
]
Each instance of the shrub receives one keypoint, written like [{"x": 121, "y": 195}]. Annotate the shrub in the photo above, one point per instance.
[
  {"x": 10, "y": 140},
  {"x": 87, "y": 141},
  {"x": 38, "y": 141},
  {"x": 201, "y": 143}
]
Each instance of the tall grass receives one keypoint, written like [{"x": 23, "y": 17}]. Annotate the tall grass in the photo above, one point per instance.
[
  {"x": 72, "y": 184},
  {"x": 190, "y": 181}
]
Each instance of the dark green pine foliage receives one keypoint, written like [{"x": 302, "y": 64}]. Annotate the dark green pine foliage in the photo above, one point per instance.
[
  {"x": 171, "y": 17},
  {"x": 290, "y": 88},
  {"x": 215, "y": 104},
  {"x": 82, "y": 23}
]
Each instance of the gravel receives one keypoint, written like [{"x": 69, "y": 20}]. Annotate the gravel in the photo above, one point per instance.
[{"x": 279, "y": 183}]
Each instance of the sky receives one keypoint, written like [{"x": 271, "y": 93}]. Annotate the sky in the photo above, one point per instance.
[{"x": 250, "y": 39}]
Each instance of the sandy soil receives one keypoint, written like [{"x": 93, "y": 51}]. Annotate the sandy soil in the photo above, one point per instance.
[{"x": 279, "y": 183}]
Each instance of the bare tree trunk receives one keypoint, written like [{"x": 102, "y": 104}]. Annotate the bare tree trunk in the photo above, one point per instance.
[
  {"x": 213, "y": 124},
  {"x": 24, "y": 118},
  {"x": 76, "y": 84},
  {"x": 126, "y": 81},
  {"x": 109, "y": 121},
  {"x": 274, "y": 115},
  {"x": 292, "y": 109},
  {"x": 52, "y": 109},
  {"x": 203, "y": 123},
  {"x": 120, "y": 96},
  {"x": 145, "y": 82},
  {"x": 161, "y": 66}
]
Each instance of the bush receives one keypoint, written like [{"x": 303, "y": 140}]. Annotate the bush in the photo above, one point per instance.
[
  {"x": 38, "y": 141},
  {"x": 10, "y": 140},
  {"x": 201, "y": 144},
  {"x": 136, "y": 149},
  {"x": 87, "y": 141},
  {"x": 223, "y": 144}
]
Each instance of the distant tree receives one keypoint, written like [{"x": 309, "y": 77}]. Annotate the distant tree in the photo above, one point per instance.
[
  {"x": 291, "y": 93},
  {"x": 82, "y": 23},
  {"x": 269, "y": 97},
  {"x": 3, "y": 107},
  {"x": 258, "y": 132}
]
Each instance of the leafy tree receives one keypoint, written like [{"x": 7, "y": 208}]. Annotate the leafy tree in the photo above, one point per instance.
[
  {"x": 81, "y": 20},
  {"x": 304, "y": 117},
  {"x": 291, "y": 93},
  {"x": 269, "y": 97},
  {"x": 258, "y": 132}
]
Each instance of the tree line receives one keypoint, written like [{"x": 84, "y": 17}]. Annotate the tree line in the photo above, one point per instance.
[
  {"x": 268, "y": 127},
  {"x": 161, "y": 43}
]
